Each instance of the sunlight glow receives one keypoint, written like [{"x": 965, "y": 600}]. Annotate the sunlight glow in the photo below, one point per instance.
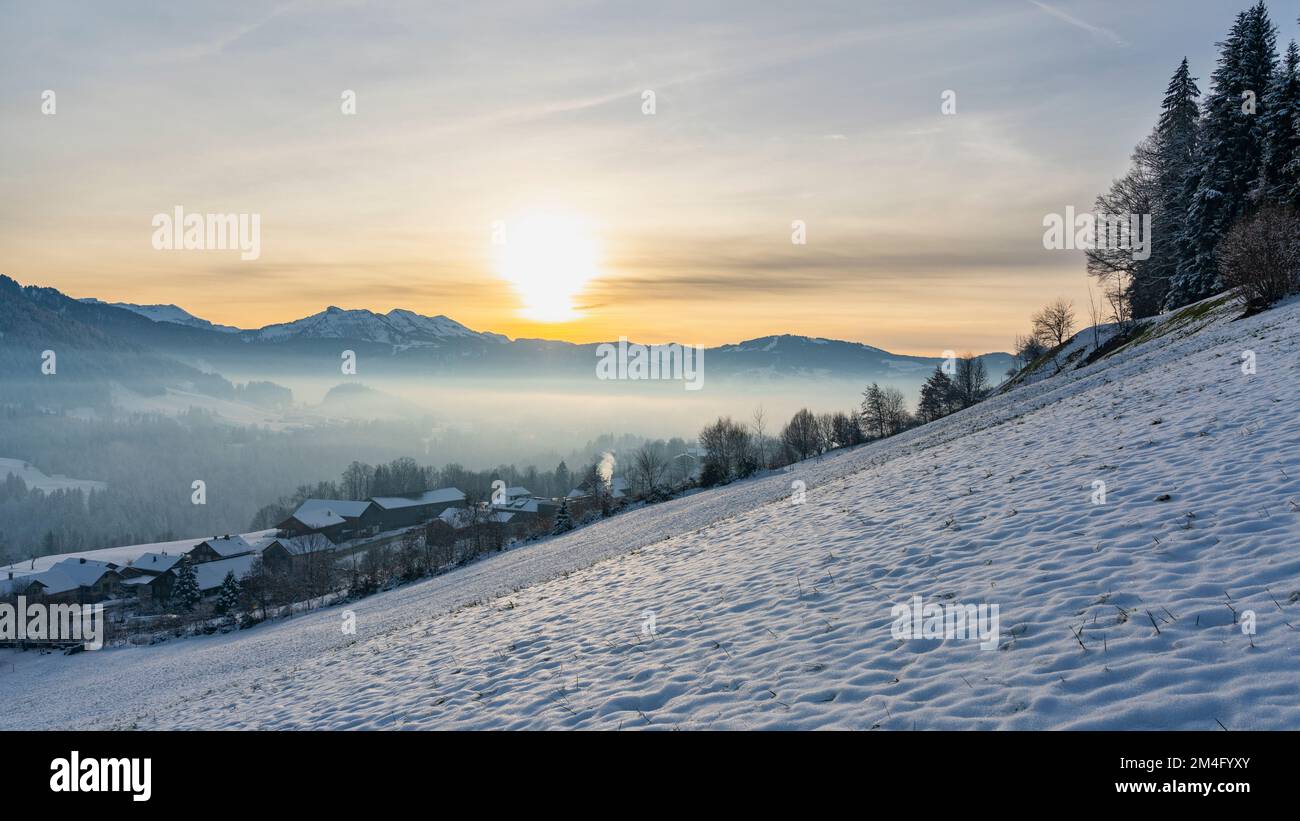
[{"x": 548, "y": 258}]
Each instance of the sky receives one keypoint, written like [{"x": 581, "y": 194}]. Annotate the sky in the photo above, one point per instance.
[{"x": 501, "y": 167}]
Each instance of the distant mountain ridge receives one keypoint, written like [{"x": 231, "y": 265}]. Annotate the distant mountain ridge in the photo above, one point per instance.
[
  {"x": 397, "y": 327},
  {"x": 165, "y": 313},
  {"x": 405, "y": 343}
]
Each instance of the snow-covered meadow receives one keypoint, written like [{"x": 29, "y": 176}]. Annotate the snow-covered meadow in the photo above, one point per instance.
[{"x": 769, "y": 614}]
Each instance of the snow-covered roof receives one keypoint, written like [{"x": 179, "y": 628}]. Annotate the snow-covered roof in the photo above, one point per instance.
[
  {"x": 53, "y": 581},
  {"x": 516, "y": 491},
  {"x": 229, "y": 546},
  {"x": 340, "y": 507},
  {"x": 211, "y": 574},
  {"x": 524, "y": 505},
  {"x": 70, "y": 574},
  {"x": 457, "y": 517},
  {"x": 303, "y": 545},
  {"x": 156, "y": 562},
  {"x": 82, "y": 572},
  {"x": 429, "y": 497},
  {"x": 318, "y": 519}
]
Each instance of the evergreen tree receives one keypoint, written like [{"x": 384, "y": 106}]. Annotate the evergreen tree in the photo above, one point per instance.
[
  {"x": 936, "y": 396},
  {"x": 563, "y": 478},
  {"x": 1279, "y": 178},
  {"x": 1229, "y": 152},
  {"x": 185, "y": 593},
  {"x": 1175, "y": 152},
  {"x": 228, "y": 595},
  {"x": 563, "y": 521}
]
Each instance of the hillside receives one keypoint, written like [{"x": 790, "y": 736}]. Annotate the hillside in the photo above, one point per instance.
[
  {"x": 34, "y": 477},
  {"x": 773, "y": 615}
]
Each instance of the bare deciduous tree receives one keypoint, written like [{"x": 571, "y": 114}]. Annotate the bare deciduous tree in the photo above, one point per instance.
[
  {"x": 758, "y": 425},
  {"x": 802, "y": 435},
  {"x": 1260, "y": 257},
  {"x": 649, "y": 464},
  {"x": 970, "y": 383},
  {"x": 1054, "y": 323}
]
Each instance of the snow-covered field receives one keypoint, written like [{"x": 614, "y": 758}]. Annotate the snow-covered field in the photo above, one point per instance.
[
  {"x": 34, "y": 477},
  {"x": 774, "y": 615}
]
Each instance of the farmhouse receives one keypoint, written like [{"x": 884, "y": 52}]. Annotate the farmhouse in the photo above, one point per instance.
[
  {"x": 155, "y": 588},
  {"x": 81, "y": 581},
  {"x": 287, "y": 552},
  {"x": 215, "y": 549},
  {"x": 210, "y": 575},
  {"x": 407, "y": 511},
  {"x": 618, "y": 489},
  {"x": 337, "y": 519},
  {"x": 151, "y": 564}
]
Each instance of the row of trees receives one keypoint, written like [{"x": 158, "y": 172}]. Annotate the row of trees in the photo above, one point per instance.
[
  {"x": 733, "y": 450},
  {"x": 1209, "y": 166},
  {"x": 943, "y": 394}
]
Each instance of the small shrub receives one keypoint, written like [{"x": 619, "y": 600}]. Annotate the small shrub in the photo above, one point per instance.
[{"x": 1260, "y": 257}]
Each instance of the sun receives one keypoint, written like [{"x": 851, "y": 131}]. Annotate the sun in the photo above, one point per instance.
[{"x": 548, "y": 258}]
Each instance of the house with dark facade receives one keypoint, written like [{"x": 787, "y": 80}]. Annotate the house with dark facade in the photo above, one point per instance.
[
  {"x": 289, "y": 552},
  {"x": 220, "y": 547},
  {"x": 151, "y": 564},
  {"x": 407, "y": 511},
  {"x": 337, "y": 519},
  {"x": 75, "y": 581},
  {"x": 211, "y": 575}
]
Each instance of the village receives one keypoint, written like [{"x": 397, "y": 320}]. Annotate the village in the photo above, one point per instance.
[{"x": 325, "y": 550}]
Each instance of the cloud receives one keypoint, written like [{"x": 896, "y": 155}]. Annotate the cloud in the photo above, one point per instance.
[{"x": 1083, "y": 24}]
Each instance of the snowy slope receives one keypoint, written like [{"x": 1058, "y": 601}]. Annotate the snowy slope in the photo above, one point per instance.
[
  {"x": 772, "y": 615},
  {"x": 34, "y": 477}
]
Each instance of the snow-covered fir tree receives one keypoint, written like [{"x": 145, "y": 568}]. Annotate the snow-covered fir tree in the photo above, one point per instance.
[
  {"x": 1175, "y": 152},
  {"x": 185, "y": 593},
  {"x": 1229, "y": 151},
  {"x": 563, "y": 520},
  {"x": 1279, "y": 179},
  {"x": 228, "y": 595}
]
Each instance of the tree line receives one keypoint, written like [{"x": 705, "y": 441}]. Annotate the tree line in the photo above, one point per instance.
[
  {"x": 734, "y": 450},
  {"x": 1220, "y": 177}
]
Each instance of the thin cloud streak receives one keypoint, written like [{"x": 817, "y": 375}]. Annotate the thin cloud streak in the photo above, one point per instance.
[{"x": 1083, "y": 24}]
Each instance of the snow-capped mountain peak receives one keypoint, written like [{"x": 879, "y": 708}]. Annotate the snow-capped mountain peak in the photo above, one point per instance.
[
  {"x": 398, "y": 327},
  {"x": 166, "y": 313}
]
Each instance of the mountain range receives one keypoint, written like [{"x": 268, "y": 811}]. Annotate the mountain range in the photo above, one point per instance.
[{"x": 172, "y": 344}]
